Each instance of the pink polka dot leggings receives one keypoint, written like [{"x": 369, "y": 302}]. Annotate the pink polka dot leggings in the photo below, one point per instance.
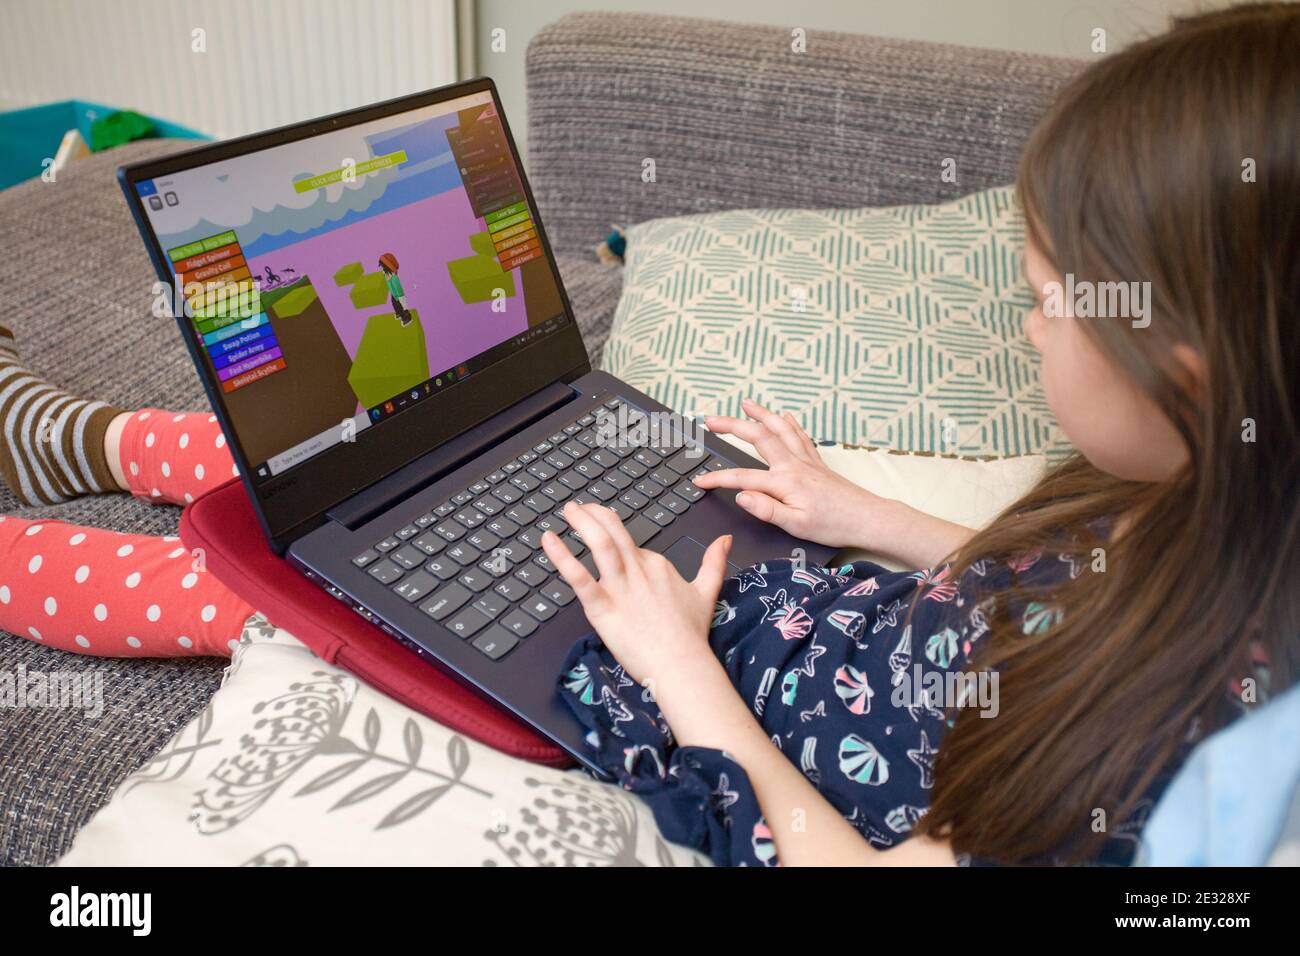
[{"x": 100, "y": 592}]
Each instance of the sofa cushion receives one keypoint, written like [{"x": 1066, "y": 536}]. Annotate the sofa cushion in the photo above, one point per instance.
[{"x": 899, "y": 327}]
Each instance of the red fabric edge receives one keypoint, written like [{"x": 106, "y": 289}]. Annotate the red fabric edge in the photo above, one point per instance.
[{"x": 225, "y": 526}]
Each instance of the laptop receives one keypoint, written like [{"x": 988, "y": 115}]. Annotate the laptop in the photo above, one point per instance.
[{"x": 380, "y": 325}]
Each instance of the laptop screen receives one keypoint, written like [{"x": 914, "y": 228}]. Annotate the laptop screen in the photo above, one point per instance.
[{"x": 334, "y": 283}]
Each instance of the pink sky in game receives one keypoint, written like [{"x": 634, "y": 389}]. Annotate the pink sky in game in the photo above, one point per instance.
[{"x": 424, "y": 236}]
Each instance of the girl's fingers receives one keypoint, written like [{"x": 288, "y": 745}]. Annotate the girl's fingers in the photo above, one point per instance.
[
  {"x": 618, "y": 534},
  {"x": 770, "y": 448},
  {"x": 790, "y": 436},
  {"x": 606, "y": 553},
  {"x": 743, "y": 479},
  {"x": 809, "y": 445},
  {"x": 586, "y": 587},
  {"x": 713, "y": 568},
  {"x": 766, "y": 508}
]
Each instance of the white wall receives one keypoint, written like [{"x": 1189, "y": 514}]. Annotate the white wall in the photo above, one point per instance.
[
  {"x": 254, "y": 64},
  {"x": 1058, "y": 27}
]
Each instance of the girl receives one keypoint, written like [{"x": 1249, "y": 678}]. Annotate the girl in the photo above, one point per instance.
[
  {"x": 1123, "y": 605},
  {"x": 788, "y": 714}
]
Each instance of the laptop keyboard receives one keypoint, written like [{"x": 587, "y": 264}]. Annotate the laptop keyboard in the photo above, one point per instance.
[{"x": 475, "y": 563}]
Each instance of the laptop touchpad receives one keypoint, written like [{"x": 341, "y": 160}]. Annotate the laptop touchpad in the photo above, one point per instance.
[{"x": 686, "y": 554}]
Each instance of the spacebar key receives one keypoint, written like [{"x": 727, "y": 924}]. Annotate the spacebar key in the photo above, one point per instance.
[{"x": 642, "y": 529}]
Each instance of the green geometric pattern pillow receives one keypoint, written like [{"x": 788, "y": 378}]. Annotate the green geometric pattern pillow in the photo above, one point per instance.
[{"x": 898, "y": 327}]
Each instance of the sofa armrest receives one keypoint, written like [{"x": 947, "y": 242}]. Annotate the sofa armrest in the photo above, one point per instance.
[{"x": 733, "y": 118}]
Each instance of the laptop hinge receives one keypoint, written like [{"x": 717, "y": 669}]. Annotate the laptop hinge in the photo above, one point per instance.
[{"x": 425, "y": 470}]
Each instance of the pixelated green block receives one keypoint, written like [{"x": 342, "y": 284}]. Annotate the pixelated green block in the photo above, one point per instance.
[
  {"x": 349, "y": 274},
  {"x": 369, "y": 291},
  {"x": 390, "y": 359},
  {"x": 476, "y": 277},
  {"x": 292, "y": 303},
  {"x": 481, "y": 243}
]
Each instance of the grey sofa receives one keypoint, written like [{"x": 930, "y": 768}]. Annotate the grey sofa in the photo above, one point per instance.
[{"x": 732, "y": 118}]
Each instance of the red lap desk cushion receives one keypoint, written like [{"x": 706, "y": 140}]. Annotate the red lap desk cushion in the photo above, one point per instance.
[{"x": 225, "y": 526}]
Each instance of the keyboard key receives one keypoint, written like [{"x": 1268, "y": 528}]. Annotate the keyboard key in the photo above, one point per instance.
[
  {"x": 586, "y": 420},
  {"x": 528, "y": 457},
  {"x": 556, "y": 491},
  {"x": 496, "y": 564},
  {"x": 445, "y": 600},
  {"x": 552, "y": 522},
  {"x": 476, "y": 579},
  {"x": 558, "y": 593},
  {"x": 479, "y": 487},
  {"x": 489, "y": 505},
  {"x": 388, "y": 544},
  {"x": 369, "y": 556},
  {"x": 515, "y": 590},
  {"x": 542, "y": 471},
  {"x": 385, "y": 572},
  {"x": 522, "y": 514},
  {"x": 633, "y": 468},
  {"x": 443, "y": 568},
  {"x": 665, "y": 476},
  {"x": 617, "y": 479},
  {"x": 543, "y": 562},
  {"x": 496, "y": 643},
  {"x": 649, "y": 487},
  {"x": 463, "y": 554},
  {"x": 429, "y": 543},
  {"x": 483, "y": 539},
  {"x": 589, "y": 469},
  {"x": 524, "y": 481},
  {"x": 687, "y": 490},
  {"x": 503, "y": 527},
  {"x": 408, "y": 557},
  {"x": 444, "y": 509},
  {"x": 461, "y": 498},
  {"x": 673, "y": 503},
  {"x": 496, "y": 477},
  {"x": 539, "y": 607},
  {"x": 519, "y": 623},
  {"x": 410, "y": 531},
  {"x": 622, "y": 510},
  {"x": 556, "y": 438},
  {"x": 660, "y": 516},
  {"x": 573, "y": 481},
  {"x": 641, "y": 530},
  {"x": 646, "y": 457},
  {"x": 415, "y": 586},
  {"x": 425, "y": 519},
  {"x": 491, "y": 604},
  {"x": 604, "y": 458},
  {"x": 634, "y": 499},
  {"x": 532, "y": 537},
  {"x": 602, "y": 491},
  {"x": 532, "y": 574},
  {"x": 539, "y": 503},
  {"x": 470, "y": 517},
  {"x": 511, "y": 467},
  {"x": 507, "y": 493},
  {"x": 559, "y": 460},
  {"x": 687, "y": 461},
  {"x": 542, "y": 447},
  {"x": 572, "y": 429},
  {"x": 449, "y": 530},
  {"x": 468, "y": 622},
  {"x": 573, "y": 543}
]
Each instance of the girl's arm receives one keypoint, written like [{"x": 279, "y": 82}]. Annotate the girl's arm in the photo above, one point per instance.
[
  {"x": 673, "y": 660},
  {"x": 801, "y": 495}
]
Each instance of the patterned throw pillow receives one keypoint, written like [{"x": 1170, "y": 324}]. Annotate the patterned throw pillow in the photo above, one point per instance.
[{"x": 899, "y": 327}]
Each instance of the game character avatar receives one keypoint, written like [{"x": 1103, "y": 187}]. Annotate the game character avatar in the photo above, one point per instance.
[{"x": 388, "y": 262}]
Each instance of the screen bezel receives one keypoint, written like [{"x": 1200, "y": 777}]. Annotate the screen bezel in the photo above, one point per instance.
[{"x": 294, "y": 502}]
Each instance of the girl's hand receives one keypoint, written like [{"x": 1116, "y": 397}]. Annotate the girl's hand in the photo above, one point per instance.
[
  {"x": 798, "y": 492},
  {"x": 651, "y": 619}
]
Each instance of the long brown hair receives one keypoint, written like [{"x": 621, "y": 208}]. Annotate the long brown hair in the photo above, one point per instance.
[{"x": 1143, "y": 171}]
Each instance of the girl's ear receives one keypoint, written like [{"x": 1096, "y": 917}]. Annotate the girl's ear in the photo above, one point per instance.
[{"x": 1189, "y": 370}]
